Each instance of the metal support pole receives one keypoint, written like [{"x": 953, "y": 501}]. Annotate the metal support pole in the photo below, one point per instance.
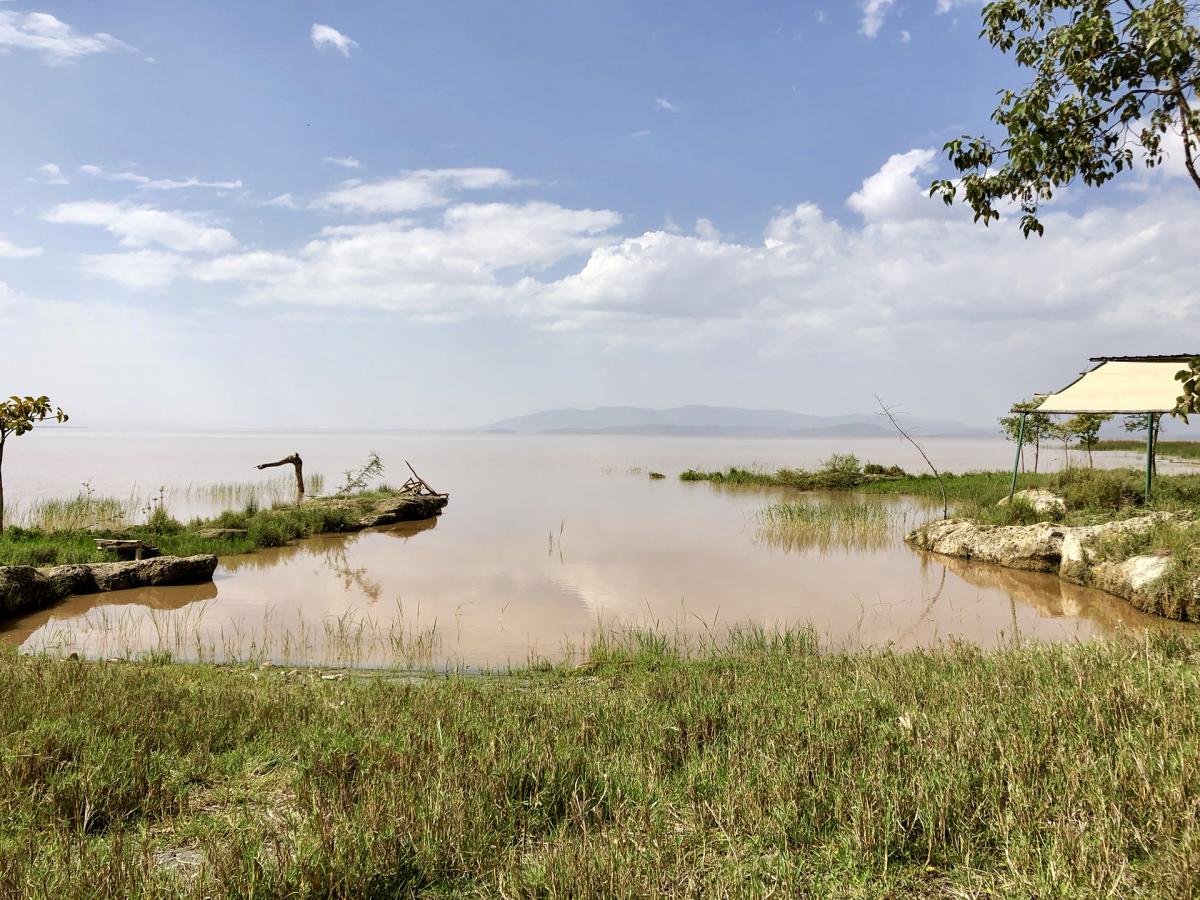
[
  {"x": 1149, "y": 452},
  {"x": 1017, "y": 462}
]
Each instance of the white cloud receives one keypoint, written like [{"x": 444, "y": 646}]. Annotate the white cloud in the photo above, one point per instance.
[
  {"x": 664, "y": 103},
  {"x": 54, "y": 39},
  {"x": 873, "y": 14},
  {"x": 138, "y": 226},
  {"x": 945, "y": 6},
  {"x": 905, "y": 37},
  {"x": 419, "y": 189},
  {"x": 326, "y": 36},
  {"x": 157, "y": 184},
  {"x": 893, "y": 193},
  {"x": 645, "y": 132},
  {"x": 9, "y": 250},
  {"x": 283, "y": 201},
  {"x": 52, "y": 174},
  {"x": 707, "y": 231},
  {"x": 136, "y": 269},
  {"x": 346, "y": 162},
  {"x": 476, "y": 258}
]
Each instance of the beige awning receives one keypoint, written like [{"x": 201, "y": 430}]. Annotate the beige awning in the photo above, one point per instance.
[{"x": 1121, "y": 386}]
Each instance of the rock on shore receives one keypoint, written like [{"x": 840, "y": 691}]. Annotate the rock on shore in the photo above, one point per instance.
[
  {"x": 404, "y": 508},
  {"x": 26, "y": 588},
  {"x": 1070, "y": 553}
]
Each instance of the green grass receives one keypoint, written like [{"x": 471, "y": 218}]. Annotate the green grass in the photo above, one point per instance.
[
  {"x": 821, "y": 525},
  {"x": 766, "y": 769},
  {"x": 263, "y": 528},
  {"x": 1176, "y": 449}
]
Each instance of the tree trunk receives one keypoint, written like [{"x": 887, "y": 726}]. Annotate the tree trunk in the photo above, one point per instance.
[
  {"x": 1037, "y": 451},
  {"x": 296, "y": 461},
  {"x": 3, "y": 438},
  {"x": 1089, "y": 446}
]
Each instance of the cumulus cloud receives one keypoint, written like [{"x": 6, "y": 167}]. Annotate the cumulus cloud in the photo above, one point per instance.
[
  {"x": 346, "y": 162},
  {"x": 904, "y": 269},
  {"x": 54, "y": 39},
  {"x": 139, "y": 226},
  {"x": 478, "y": 257},
  {"x": 326, "y": 36},
  {"x": 419, "y": 189},
  {"x": 9, "y": 250},
  {"x": 157, "y": 184},
  {"x": 664, "y": 103},
  {"x": 893, "y": 193}
]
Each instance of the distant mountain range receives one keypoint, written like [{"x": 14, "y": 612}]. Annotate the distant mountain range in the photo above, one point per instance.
[{"x": 724, "y": 421}]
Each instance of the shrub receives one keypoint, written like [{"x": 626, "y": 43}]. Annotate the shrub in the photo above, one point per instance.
[
  {"x": 267, "y": 532},
  {"x": 839, "y": 471}
]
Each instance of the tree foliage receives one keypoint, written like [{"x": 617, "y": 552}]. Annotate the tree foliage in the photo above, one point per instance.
[
  {"x": 1086, "y": 427},
  {"x": 1110, "y": 79},
  {"x": 1188, "y": 401},
  {"x": 18, "y": 415},
  {"x": 1038, "y": 426}
]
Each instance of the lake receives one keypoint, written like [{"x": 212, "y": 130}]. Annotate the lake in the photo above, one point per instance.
[{"x": 546, "y": 539}]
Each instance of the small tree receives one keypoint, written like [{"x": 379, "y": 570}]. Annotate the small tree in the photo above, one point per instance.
[
  {"x": 17, "y": 416},
  {"x": 1037, "y": 426},
  {"x": 1063, "y": 431},
  {"x": 1106, "y": 76},
  {"x": 1086, "y": 426}
]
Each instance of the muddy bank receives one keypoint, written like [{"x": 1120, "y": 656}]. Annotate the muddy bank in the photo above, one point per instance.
[
  {"x": 1071, "y": 552},
  {"x": 26, "y": 588}
]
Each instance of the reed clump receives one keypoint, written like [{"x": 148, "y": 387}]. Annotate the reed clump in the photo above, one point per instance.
[
  {"x": 850, "y": 526},
  {"x": 765, "y": 768}
]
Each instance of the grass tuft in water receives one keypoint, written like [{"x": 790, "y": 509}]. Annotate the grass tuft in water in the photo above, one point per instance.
[{"x": 823, "y": 526}]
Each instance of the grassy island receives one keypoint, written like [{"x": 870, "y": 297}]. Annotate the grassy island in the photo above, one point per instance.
[{"x": 231, "y": 532}]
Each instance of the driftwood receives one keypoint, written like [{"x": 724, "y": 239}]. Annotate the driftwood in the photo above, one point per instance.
[
  {"x": 296, "y": 461},
  {"x": 418, "y": 485}
]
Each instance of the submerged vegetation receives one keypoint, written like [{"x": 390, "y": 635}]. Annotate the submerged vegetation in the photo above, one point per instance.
[{"x": 762, "y": 768}]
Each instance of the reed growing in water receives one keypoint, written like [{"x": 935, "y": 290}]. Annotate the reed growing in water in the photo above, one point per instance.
[{"x": 822, "y": 525}]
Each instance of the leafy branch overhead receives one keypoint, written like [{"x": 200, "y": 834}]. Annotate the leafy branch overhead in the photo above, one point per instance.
[
  {"x": 1188, "y": 402},
  {"x": 1110, "y": 79}
]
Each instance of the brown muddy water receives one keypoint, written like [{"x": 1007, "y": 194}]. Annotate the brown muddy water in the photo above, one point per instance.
[{"x": 546, "y": 540}]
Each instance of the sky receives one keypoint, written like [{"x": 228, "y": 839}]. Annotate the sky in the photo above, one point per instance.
[{"x": 404, "y": 215}]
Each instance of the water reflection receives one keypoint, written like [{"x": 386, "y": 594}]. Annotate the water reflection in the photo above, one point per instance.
[{"x": 511, "y": 572}]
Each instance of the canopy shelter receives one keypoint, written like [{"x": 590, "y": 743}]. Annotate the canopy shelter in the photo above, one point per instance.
[{"x": 1120, "y": 385}]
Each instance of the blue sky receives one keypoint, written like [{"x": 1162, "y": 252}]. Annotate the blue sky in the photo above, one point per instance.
[{"x": 402, "y": 215}]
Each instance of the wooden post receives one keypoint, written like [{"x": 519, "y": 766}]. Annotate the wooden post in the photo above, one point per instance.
[
  {"x": 1017, "y": 462},
  {"x": 294, "y": 460}
]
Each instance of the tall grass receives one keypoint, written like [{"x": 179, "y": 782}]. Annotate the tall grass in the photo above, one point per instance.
[
  {"x": 824, "y": 526},
  {"x": 764, "y": 770}
]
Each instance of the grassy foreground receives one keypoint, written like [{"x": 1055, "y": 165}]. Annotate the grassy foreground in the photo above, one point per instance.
[{"x": 1060, "y": 771}]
